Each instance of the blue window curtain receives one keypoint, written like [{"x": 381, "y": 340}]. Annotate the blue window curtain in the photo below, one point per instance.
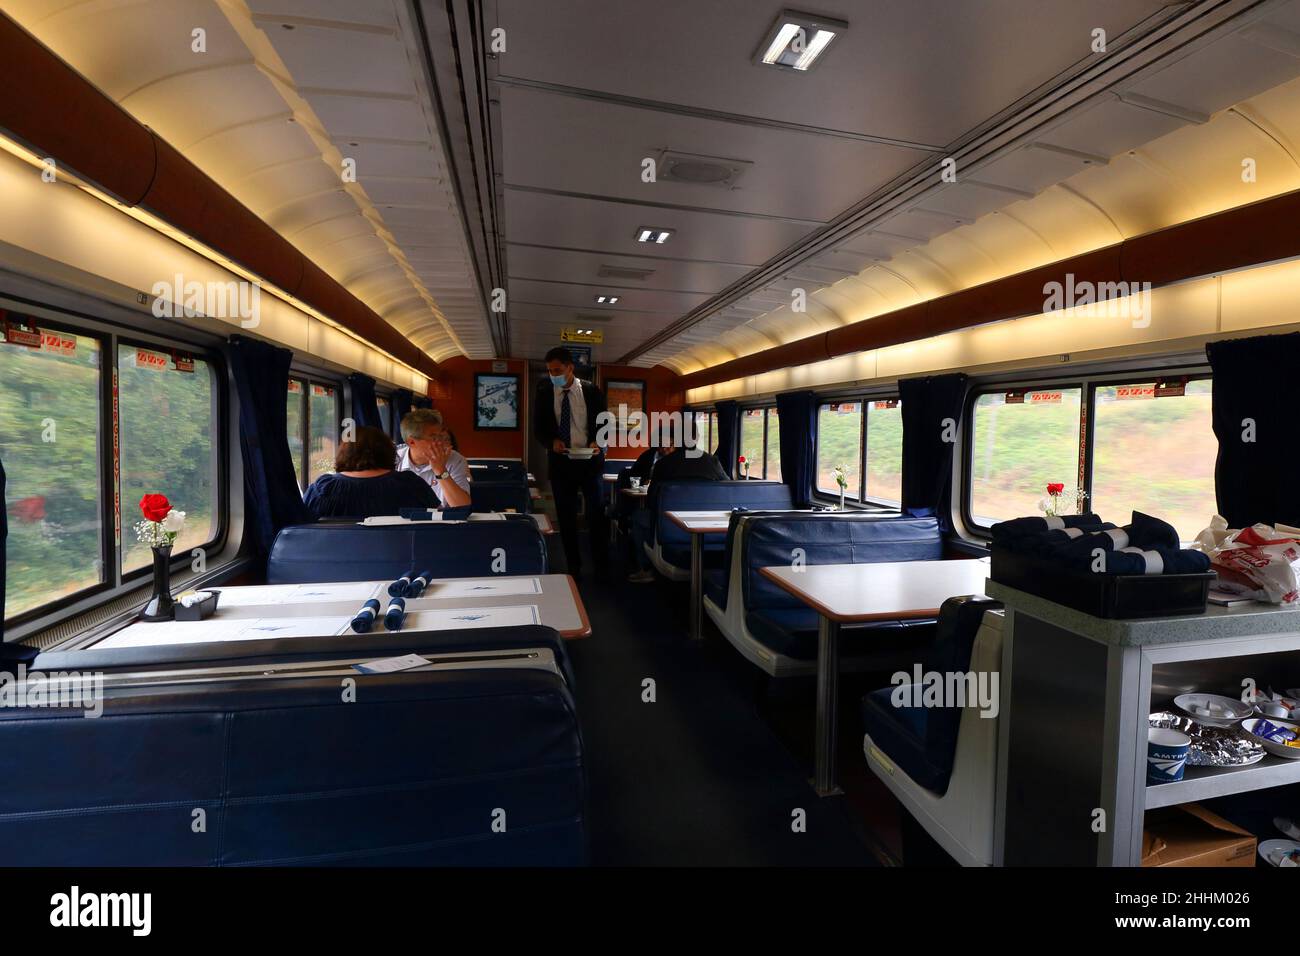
[
  {"x": 365, "y": 410},
  {"x": 798, "y": 412},
  {"x": 931, "y": 410},
  {"x": 728, "y": 437},
  {"x": 1254, "y": 472},
  {"x": 422, "y": 401},
  {"x": 401, "y": 405},
  {"x": 261, "y": 375}
]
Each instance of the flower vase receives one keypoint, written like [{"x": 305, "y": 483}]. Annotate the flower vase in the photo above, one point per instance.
[
  {"x": 841, "y": 499},
  {"x": 160, "y": 603}
]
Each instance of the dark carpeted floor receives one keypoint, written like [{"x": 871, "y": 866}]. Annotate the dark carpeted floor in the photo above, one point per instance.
[{"x": 705, "y": 775}]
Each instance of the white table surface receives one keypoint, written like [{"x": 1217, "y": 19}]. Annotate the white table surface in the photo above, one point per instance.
[
  {"x": 892, "y": 590},
  {"x": 554, "y": 596},
  {"x": 700, "y": 522}
]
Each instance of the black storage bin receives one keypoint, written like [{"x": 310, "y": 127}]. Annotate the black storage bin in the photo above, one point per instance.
[{"x": 1104, "y": 595}]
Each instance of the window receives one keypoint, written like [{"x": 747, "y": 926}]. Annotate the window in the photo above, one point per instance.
[
  {"x": 772, "y": 470},
  {"x": 323, "y": 424},
  {"x": 296, "y": 422},
  {"x": 839, "y": 444},
  {"x": 1020, "y": 441},
  {"x": 385, "y": 414},
  {"x": 312, "y": 420},
  {"x": 885, "y": 451},
  {"x": 92, "y": 423},
  {"x": 753, "y": 429},
  {"x": 1154, "y": 451},
  {"x": 168, "y": 414},
  {"x": 51, "y": 443},
  {"x": 713, "y": 434},
  {"x": 700, "y": 423}
]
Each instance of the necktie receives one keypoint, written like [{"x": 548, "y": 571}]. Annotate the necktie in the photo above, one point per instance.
[{"x": 566, "y": 418}]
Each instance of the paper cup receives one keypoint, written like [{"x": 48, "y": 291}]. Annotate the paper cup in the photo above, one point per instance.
[{"x": 1166, "y": 754}]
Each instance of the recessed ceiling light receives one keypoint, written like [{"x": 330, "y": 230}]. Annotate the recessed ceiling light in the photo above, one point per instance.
[
  {"x": 607, "y": 299},
  {"x": 797, "y": 40},
  {"x": 653, "y": 234}
]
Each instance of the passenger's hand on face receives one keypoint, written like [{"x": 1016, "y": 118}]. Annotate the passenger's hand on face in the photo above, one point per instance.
[
  {"x": 558, "y": 446},
  {"x": 439, "y": 452}
]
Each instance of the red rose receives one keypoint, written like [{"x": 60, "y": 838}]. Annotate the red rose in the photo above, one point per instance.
[
  {"x": 155, "y": 507},
  {"x": 1055, "y": 489},
  {"x": 742, "y": 459}
]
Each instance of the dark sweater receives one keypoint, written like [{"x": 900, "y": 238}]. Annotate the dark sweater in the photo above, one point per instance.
[{"x": 339, "y": 496}]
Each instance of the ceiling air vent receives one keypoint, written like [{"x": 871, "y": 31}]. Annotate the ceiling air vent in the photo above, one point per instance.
[
  {"x": 701, "y": 170},
  {"x": 619, "y": 272}
]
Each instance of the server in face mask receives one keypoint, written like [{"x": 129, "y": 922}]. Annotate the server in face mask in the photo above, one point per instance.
[{"x": 567, "y": 413}]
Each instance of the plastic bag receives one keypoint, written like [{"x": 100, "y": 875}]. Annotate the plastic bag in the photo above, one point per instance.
[{"x": 1259, "y": 562}]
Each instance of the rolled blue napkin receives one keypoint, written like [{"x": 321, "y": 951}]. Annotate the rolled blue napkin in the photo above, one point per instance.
[
  {"x": 418, "y": 584},
  {"x": 1156, "y": 561},
  {"x": 395, "y": 614},
  {"x": 1018, "y": 527},
  {"x": 1152, "y": 534},
  {"x": 399, "y": 587},
  {"x": 460, "y": 513},
  {"x": 366, "y": 616}
]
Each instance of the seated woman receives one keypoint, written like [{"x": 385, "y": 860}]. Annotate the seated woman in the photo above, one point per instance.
[{"x": 365, "y": 484}]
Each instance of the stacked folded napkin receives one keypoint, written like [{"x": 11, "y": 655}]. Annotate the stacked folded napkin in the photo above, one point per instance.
[{"x": 1146, "y": 545}]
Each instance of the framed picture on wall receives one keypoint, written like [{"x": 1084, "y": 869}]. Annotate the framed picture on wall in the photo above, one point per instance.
[
  {"x": 625, "y": 392},
  {"x": 496, "y": 402}
]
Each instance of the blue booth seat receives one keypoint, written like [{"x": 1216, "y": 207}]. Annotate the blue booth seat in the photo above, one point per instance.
[
  {"x": 497, "y": 469},
  {"x": 671, "y": 548},
  {"x": 314, "y": 553},
  {"x": 413, "y": 772},
  {"x": 774, "y": 629},
  {"x": 941, "y": 762},
  {"x": 486, "y": 495}
]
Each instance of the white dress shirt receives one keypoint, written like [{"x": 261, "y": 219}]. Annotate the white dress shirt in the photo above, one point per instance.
[
  {"x": 457, "y": 467},
  {"x": 578, "y": 436}
]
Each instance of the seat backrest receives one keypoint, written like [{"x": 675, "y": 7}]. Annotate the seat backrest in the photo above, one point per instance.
[
  {"x": 823, "y": 538},
  {"x": 488, "y": 495},
  {"x": 492, "y": 469},
  {"x": 614, "y": 466},
  {"x": 311, "y": 554},
  {"x": 959, "y": 623},
  {"x": 711, "y": 496},
  {"x": 430, "y": 755}
]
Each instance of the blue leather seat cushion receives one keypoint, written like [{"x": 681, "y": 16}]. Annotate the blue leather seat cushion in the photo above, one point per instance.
[
  {"x": 793, "y": 632},
  {"x": 900, "y": 732}
]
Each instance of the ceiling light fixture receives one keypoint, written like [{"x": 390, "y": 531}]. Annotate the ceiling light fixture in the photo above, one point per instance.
[
  {"x": 653, "y": 234},
  {"x": 607, "y": 299},
  {"x": 796, "y": 41}
]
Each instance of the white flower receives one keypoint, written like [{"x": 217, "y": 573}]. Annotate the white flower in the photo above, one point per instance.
[
  {"x": 174, "y": 521},
  {"x": 1045, "y": 505}
]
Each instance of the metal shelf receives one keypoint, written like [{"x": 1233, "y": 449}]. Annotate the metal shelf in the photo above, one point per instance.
[{"x": 1206, "y": 783}]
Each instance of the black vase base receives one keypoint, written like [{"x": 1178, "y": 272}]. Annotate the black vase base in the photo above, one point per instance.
[{"x": 155, "y": 610}]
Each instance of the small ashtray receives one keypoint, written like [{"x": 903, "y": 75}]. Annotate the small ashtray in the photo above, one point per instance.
[{"x": 198, "y": 610}]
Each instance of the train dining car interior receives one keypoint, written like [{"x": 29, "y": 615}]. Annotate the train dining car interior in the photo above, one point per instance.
[{"x": 601, "y": 434}]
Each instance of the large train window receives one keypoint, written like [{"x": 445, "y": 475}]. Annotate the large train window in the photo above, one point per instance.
[
  {"x": 1021, "y": 440},
  {"x": 385, "y": 414},
  {"x": 753, "y": 431},
  {"x": 323, "y": 410},
  {"x": 53, "y": 446},
  {"x": 1166, "y": 424},
  {"x": 772, "y": 467},
  {"x": 884, "y": 476},
  {"x": 713, "y": 434},
  {"x": 295, "y": 408},
  {"x": 839, "y": 445},
  {"x": 168, "y": 426}
]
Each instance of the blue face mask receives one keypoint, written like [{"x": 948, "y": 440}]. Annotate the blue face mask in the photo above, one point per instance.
[{"x": 559, "y": 381}]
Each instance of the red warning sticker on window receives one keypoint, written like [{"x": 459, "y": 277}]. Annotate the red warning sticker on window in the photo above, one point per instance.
[{"x": 146, "y": 358}]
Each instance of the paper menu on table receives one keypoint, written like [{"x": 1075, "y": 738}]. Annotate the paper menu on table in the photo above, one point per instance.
[
  {"x": 390, "y": 665},
  {"x": 482, "y": 587},
  {"x": 458, "y": 618},
  {"x": 277, "y": 594},
  {"x": 214, "y": 629}
]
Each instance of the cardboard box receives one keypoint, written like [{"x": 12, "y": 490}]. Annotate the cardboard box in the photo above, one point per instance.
[{"x": 1190, "y": 835}]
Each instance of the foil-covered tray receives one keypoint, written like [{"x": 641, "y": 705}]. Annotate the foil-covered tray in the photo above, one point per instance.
[{"x": 1211, "y": 746}]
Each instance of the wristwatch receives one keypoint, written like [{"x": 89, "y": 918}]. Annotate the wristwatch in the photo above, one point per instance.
[{"x": 442, "y": 477}]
